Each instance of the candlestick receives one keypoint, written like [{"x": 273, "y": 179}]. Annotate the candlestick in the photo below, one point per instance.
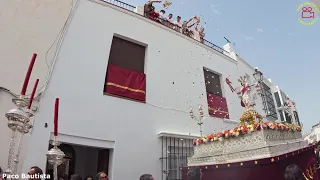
[
  {"x": 55, "y": 155},
  {"x": 26, "y": 79},
  {"x": 56, "y": 114},
  {"x": 33, "y": 92},
  {"x": 19, "y": 123}
]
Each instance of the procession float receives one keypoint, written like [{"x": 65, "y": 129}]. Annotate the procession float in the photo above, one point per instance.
[{"x": 256, "y": 149}]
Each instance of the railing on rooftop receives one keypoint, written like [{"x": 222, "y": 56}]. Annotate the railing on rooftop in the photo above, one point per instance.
[
  {"x": 215, "y": 47},
  {"x": 121, "y": 4},
  {"x": 169, "y": 25}
]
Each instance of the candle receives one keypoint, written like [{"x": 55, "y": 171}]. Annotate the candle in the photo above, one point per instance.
[
  {"x": 56, "y": 113},
  {"x": 33, "y": 92},
  {"x": 26, "y": 79}
]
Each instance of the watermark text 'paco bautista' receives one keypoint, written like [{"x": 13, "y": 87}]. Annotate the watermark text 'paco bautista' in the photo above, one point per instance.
[{"x": 26, "y": 176}]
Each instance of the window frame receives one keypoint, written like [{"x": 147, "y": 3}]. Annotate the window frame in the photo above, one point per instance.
[
  {"x": 296, "y": 117},
  {"x": 277, "y": 98},
  {"x": 268, "y": 101},
  {"x": 125, "y": 41},
  {"x": 216, "y": 82},
  {"x": 180, "y": 149},
  {"x": 132, "y": 41}
]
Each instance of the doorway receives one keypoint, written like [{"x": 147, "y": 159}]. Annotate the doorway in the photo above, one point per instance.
[{"x": 82, "y": 160}]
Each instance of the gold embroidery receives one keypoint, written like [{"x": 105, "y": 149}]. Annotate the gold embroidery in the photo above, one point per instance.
[
  {"x": 124, "y": 87},
  {"x": 217, "y": 110},
  {"x": 305, "y": 176},
  {"x": 309, "y": 173}
]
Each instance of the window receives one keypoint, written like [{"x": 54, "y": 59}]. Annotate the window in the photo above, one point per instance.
[
  {"x": 127, "y": 54},
  {"x": 297, "y": 117},
  {"x": 212, "y": 81},
  {"x": 284, "y": 98},
  {"x": 217, "y": 104},
  {"x": 281, "y": 116},
  {"x": 288, "y": 118},
  {"x": 276, "y": 95},
  {"x": 268, "y": 102},
  {"x": 175, "y": 152},
  {"x": 125, "y": 73}
]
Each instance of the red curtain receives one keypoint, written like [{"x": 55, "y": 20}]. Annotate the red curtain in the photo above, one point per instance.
[
  {"x": 126, "y": 83},
  {"x": 262, "y": 169},
  {"x": 217, "y": 106}
]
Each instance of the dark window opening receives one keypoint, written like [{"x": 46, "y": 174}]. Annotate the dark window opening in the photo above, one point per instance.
[
  {"x": 288, "y": 118},
  {"x": 175, "y": 152},
  {"x": 127, "y": 54},
  {"x": 212, "y": 82},
  {"x": 268, "y": 102},
  {"x": 281, "y": 116},
  {"x": 277, "y": 97},
  {"x": 296, "y": 116}
]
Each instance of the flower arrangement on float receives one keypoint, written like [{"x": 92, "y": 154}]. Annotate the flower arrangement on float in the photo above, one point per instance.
[{"x": 246, "y": 129}]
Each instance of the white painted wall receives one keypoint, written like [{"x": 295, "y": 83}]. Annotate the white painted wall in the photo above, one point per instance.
[
  {"x": 25, "y": 27},
  {"x": 314, "y": 135},
  {"x": 79, "y": 77}
]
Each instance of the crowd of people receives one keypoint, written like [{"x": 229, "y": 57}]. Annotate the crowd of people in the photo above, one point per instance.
[
  {"x": 185, "y": 27},
  {"x": 292, "y": 172}
]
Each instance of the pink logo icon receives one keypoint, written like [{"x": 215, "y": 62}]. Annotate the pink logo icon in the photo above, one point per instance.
[{"x": 307, "y": 12}]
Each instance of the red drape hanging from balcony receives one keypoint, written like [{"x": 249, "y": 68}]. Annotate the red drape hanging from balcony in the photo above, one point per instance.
[
  {"x": 126, "y": 83},
  {"x": 217, "y": 106}
]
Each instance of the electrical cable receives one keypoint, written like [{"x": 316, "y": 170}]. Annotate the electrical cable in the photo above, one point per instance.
[{"x": 58, "y": 39}]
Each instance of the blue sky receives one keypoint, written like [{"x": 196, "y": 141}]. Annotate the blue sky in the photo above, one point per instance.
[{"x": 266, "y": 34}]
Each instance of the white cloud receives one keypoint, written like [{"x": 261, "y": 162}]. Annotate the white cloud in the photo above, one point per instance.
[
  {"x": 214, "y": 9},
  {"x": 259, "y": 30},
  {"x": 248, "y": 38}
]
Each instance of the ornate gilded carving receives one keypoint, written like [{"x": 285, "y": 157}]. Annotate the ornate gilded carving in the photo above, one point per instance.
[{"x": 250, "y": 117}]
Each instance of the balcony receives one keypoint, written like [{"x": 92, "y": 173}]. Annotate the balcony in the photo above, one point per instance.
[{"x": 171, "y": 26}]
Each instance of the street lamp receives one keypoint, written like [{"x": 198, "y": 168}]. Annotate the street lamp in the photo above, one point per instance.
[{"x": 258, "y": 76}]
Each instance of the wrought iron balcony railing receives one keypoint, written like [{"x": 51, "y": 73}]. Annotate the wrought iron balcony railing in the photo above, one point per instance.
[{"x": 121, "y": 4}]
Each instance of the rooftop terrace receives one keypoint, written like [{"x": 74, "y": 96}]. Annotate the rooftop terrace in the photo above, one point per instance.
[{"x": 132, "y": 8}]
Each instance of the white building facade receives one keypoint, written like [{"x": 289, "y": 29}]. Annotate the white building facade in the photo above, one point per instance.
[
  {"x": 26, "y": 27},
  {"x": 105, "y": 129},
  {"x": 314, "y": 135}
]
